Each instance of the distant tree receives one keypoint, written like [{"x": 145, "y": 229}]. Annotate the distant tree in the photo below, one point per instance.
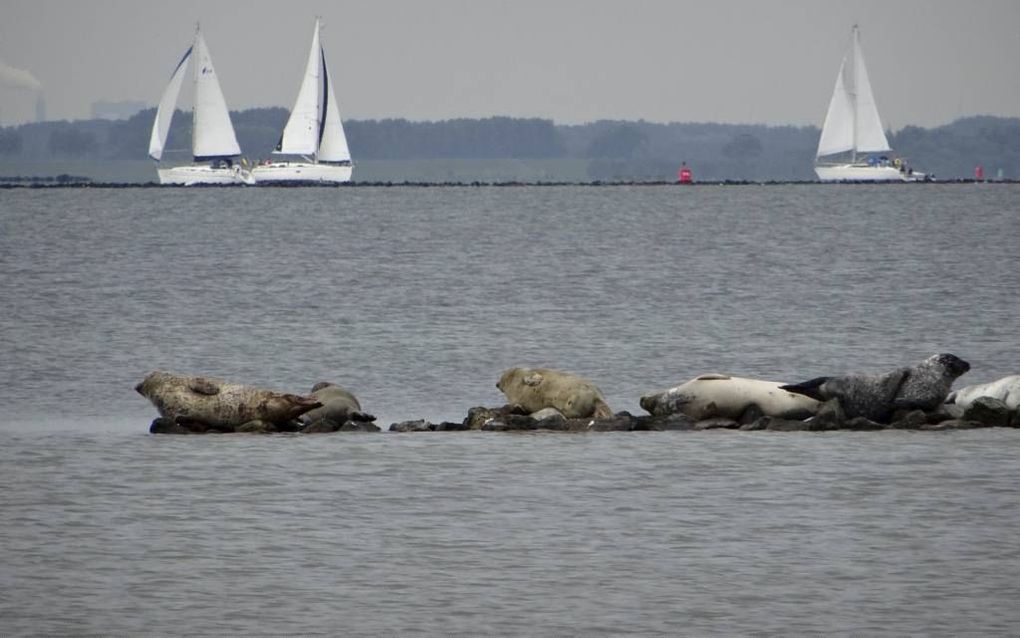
[
  {"x": 743, "y": 146},
  {"x": 622, "y": 141},
  {"x": 10, "y": 142},
  {"x": 72, "y": 141}
]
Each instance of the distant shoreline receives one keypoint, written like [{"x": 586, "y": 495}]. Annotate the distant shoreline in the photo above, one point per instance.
[{"x": 46, "y": 183}]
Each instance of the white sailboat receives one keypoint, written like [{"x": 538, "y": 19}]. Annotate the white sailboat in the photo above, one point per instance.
[
  {"x": 214, "y": 146},
  {"x": 314, "y": 133},
  {"x": 852, "y": 125}
]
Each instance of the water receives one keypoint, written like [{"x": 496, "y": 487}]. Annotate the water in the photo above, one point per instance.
[{"x": 416, "y": 299}]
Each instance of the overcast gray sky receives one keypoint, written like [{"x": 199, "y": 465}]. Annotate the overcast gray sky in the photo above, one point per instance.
[{"x": 755, "y": 61}]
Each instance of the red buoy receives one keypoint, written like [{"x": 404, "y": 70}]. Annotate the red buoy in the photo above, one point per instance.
[{"x": 684, "y": 175}]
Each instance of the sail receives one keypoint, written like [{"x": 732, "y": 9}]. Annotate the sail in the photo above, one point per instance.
[
  {"x": 301, "y": 134},
  {"x": 870, "y": 135},
  {"x": 333, "y": 144},
  {"x": 213, "y": 134},
  {"x": 167, "y": 105},
  {"x": 838, "y": 129},
  {"x": 852, "y": 122}
]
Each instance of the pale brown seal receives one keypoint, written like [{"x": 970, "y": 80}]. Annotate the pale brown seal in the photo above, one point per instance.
[
  {"x": 219, "y": 403},
  {"x": 338, "y": 405},
  {"x": 537, "y": 388}
]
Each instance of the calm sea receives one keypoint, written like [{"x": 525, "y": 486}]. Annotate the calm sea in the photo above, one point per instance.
[{"x": 416, "y": 299}]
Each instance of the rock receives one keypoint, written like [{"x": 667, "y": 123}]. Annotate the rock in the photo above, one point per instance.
[
  {"x": 421, "y": 425},
  {"x": 862, "y": 424},
  {"x": 256, "y": 427},
  {"x": 667, "y": 423},
  {"x": 479, "y": 416},
  {"x": 166, "y": 425},
  {"x": 750, "y": 414},
  {"x": 945, "y": 412},
  {"x": 953, "y": 424},
  {"x": 612, "y": 424},
  {"x": 447, "y": 426},
  {"x": 321, "y": 426},
  {"x": 717, "y": 423},
  {"x": 775, "y": 424},
  {"x": 511, "y": 423},
  {"x": 988, "y": 411},
  {"x": 356, "y": 425},
  {"x": 829, "y": 417},
  {"x": 909, "y": 420}
]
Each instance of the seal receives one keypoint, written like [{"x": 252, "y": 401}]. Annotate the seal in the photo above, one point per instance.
[
  {"x": 219, "y": 403},
  {"x": 718, "y": 395},
  {"x": 875, "y": 397},
  {"x": 338, "y": 405},
  {"x": 535, "y": 389},
  {"x": 1006, "y": 389}
]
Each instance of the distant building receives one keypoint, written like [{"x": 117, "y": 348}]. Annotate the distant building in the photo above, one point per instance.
[
  {"x": 103, "y": 110},
  {"x": 40, "y": 108}
]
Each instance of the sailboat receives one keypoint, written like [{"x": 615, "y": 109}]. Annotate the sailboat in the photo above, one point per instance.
[
  {"x": 214, "y": 145},
  {"x": 313, "y": 133},
  {"x": 852, "y": 125}
]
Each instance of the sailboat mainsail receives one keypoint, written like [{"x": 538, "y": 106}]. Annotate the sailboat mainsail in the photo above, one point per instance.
[
  {"x": 212, "y": 138},
  {"x": 314, "y": 128},
  {"x": 852, "y": 124}
]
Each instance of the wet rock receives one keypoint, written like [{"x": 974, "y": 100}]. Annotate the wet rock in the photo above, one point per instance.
[
  {"x": 321, "y": 426},
  {"x": 861, "y": 424},
  {"x": 166, "y": 425},
  {"x": 612, "y": 424},
  {"x": 829, "y": 417},
  {"x": 718, "y": 423},
  {"x": 447, "y": 426},
  {"x": 750, "y": 414},
  {"x": 953, "y": 424},
  {"x": 511, "y": 423},
  {"x": 256, "y": 427},
  {"x": 477, "y": 417},
  {"x": 945, "y": 412},
  {"x": 667, "y": 423},
  {"x": 988, "y": 411},
  {"x": 775, "y": 424},
  {"x": 358, "y": 426},
  {"x": 421, "y": 425},
  {"x": 912, "y": 420}
]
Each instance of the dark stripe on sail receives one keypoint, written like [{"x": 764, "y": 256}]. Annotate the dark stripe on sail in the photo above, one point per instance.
[
  {"x": 325, "y": 99},
  {"x": 184, "y": 60}
]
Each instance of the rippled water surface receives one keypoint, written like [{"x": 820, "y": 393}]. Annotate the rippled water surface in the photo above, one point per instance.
[{"x": 416, "y": 299}]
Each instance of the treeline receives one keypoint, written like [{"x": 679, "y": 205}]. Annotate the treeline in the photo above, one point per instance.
[{"x": 613, "y": 150}]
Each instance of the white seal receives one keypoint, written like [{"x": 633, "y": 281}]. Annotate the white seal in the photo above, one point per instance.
[
  {"x": 1006, "y": 389},
  {"x": 720, "y": 395}
]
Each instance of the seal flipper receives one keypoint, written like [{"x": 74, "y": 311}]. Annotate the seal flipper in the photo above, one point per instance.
[{"x": 812, "y": 388}]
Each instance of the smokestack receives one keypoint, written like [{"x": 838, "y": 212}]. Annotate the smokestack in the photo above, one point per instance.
[{"x": 40, "y": 108}]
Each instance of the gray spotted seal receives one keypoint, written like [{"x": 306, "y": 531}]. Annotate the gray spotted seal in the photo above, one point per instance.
[
  {"x": 875, "y": 397},
  {"x": 219, "y": 403},
  {"x": 537, "y": 388},
  {"x": 338, "y": 405},
  {"x": 1006, "y": 389},
  {"x": 719, "y": 395}
]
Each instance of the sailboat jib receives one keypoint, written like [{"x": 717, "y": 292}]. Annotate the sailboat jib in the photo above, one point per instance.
[
  {"x": 213, "y": 134},
  {"x": 167, "y": 106},
  {"x": 333, "y": 141},
  {"x": 838, "y": 129}
]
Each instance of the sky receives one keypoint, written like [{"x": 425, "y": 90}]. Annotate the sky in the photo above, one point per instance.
[{"x": 573, "y": 61}]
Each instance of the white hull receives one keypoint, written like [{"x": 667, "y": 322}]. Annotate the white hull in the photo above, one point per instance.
[
  {"x": 200, "y": 174},
  {"x": 301, "y": 173},
  {"x": 864, "y": 173}
]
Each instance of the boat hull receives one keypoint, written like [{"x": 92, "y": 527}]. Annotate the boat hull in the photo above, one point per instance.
[
  {"x": 301, "y": 173},
  {"x": 864, "y": 173},
  {"x": 198, "y": 175}
]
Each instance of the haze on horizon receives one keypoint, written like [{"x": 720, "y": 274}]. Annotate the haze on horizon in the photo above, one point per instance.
[{"x": 574, "y": 61}]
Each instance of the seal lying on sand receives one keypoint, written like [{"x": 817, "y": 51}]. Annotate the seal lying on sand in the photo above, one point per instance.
[
  {"x": 719, "y": 395},
  {"x": 876, "y": 397},
  {"x": 338, "y": 405},
  {"x": 536, "y": 388},
  {"x": 218, "y": 403},
  {"x": 1006, "y": 389}
]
